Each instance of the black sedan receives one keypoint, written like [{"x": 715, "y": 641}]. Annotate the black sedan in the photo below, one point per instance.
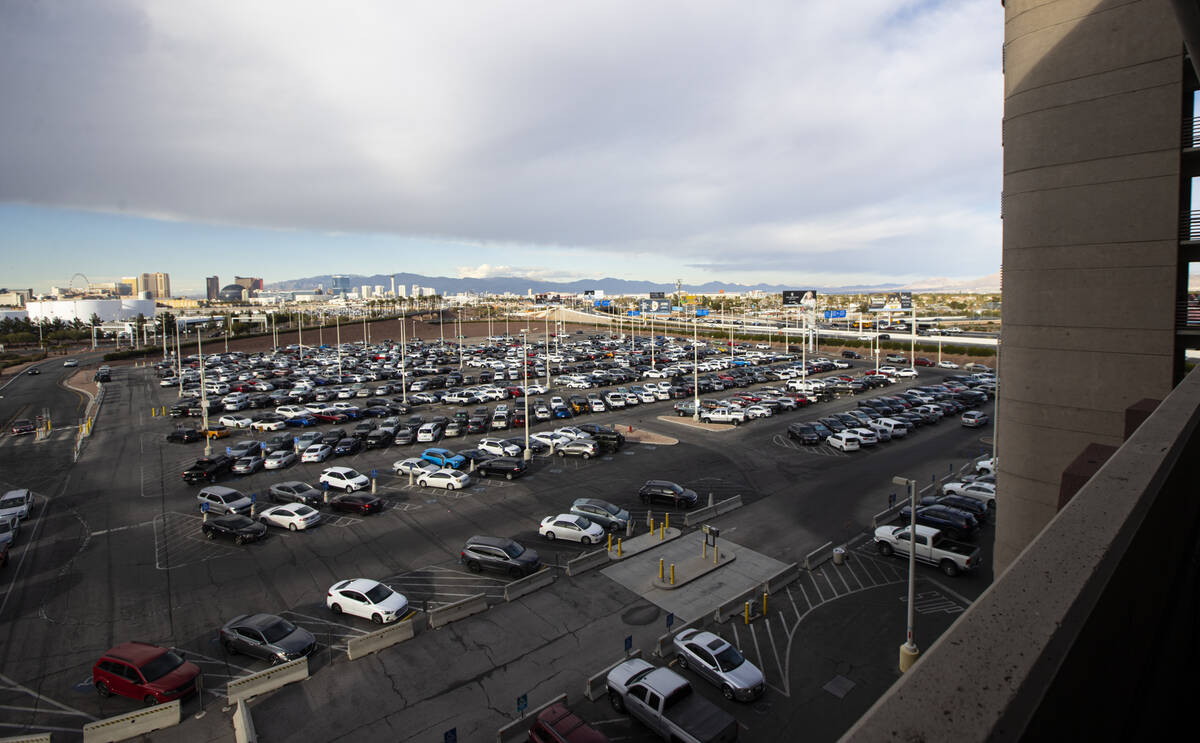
[
  {"x": 241, "y": 529},
  {"x": 266, "y": 636},
  {"x": 362, "y": 503},
  {"x": 805, "y": 433},
  {"x": 34, "y": 371},
  {"x": 506, "y": 467},
  {"x": 294, "y": 491},
  {"x": 184, "y": 436},
  {"x": 348, "y": 445}
]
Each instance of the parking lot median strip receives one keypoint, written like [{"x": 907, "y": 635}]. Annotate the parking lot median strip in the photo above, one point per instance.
[
  {"x": 694, "y": 567},
  {"x": 600, "y": 679},
  {"x": 458, "y": 610},
  {"x": 364, "y": 645},
  {"x": 736, "y": 605},
  {"x": 124, "y": 727},
  {"x": 271, "y": 679},
  {"x": 528, "y": 584},
  {"x": 639, "y": 544},
  {"x": 517, "y": 728}
]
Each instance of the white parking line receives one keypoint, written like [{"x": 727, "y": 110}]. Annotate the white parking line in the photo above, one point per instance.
[
  {"x": 101, "y": 532},
  {"x": 63, "y": 707}
]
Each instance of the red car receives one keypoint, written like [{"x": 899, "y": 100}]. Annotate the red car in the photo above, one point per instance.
[
  {"x": 143, "y": 671},
  {"x": 922, "y": 361},
  {"x": 557, "y": 724},
  {"x": 22, "y": 426}
]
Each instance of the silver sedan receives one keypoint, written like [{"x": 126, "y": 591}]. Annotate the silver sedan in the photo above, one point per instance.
[{"x": 720, "y": 663}]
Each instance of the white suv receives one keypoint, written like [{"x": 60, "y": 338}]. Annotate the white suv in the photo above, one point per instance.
[
  {"x": 344, "y": 478},
  {"x": 14, "y": 506}
]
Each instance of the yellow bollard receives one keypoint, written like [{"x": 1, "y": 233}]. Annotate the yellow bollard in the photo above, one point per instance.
[
  {"x": 618, "y": 546},
  {"x": 651, "y": 525},
  {"x": 661, "y": 532},
  {"x": 716, "y": 551},
  {"x": 660, "y": 568},
  {"x": 703, "y": 550},
  {"x": 610, "y": 542},
  {"x": 764, "y": 603},
  {"x": 153, "y": 412},
  {"x": 667, "y": 521},
  {"x": 672, "y": 573},
  {"x": 747, "y": 612}
]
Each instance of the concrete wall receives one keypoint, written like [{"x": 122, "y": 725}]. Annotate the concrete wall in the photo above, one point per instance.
[{"x": 1092, "y": 122}]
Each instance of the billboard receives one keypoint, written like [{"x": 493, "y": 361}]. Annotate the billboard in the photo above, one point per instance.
[
  {"x": 892, "y": 302},
  {"x": 797, "y": 298},
  {"x": 654, "y": 305},
  {"x": 589, "y": 292},
  {"x": 658, "y": 295}
]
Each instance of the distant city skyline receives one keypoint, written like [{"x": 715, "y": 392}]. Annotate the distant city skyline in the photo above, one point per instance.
[{"x": 790, "y": 143}]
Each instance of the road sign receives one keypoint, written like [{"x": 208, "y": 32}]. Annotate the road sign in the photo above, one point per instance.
[
  {"x": 522, "y": 703},
  {"x": 670, "y": 620},
  {"x": 628, "y": 644},
  {"x": 254, "y": 497},
  {"x": 632, "y": 313},
  {"x": 204, "y": 509},
  {"x": 701, "y": 313},
  {"x": 658, "y": 295},
  {"x": 831, "y": 314}
]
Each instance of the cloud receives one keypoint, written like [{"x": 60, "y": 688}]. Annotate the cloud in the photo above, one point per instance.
[
  {"x": 486, "y": 271},
  {"x": 801, "y": 133}
]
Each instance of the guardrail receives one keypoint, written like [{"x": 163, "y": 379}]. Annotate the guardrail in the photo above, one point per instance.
[
  {"x": 518, "y": 725},
  {"x": 254, "y": 684},
  {"x": 243, "y": 724},
  {"x": 529, "y": 584},
  {"x": 601, "y": 678},
  {"x": 373, "y": 642},
  {"x": 735, "y": 605},
  {"x": 458, "y": 610},
  {"x": 587, "y": 561},
  {"x": 124, "y": 727}
]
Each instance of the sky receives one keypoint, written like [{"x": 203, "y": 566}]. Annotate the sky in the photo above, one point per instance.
[{"x": 821, "y": 144}]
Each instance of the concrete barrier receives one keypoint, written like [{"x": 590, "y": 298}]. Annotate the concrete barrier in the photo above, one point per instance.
[
  {"x": 124, "y": 727},
  {"x": 587, "y": 561},
  {"x": 662, "y": 646},
  {"x": 32, "y": 738},
  {"x": 818, "y": 556},
  {"x": 271, "y": 679},
  {"x": 458, "y": 610},
  {"x": 729, "y": 504},
  {"x": 696, "y": 515},
  {"x": 598, "y": 681},
  {"x": 243, "y": 724},
  {"x": 373, "y": 642},
  {"x": 528, "y": 584},
  {"x": 736, "y": 605},
  {"x": 519, "y": 725}
]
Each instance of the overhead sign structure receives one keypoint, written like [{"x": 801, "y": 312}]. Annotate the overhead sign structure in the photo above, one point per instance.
[
  {"x": 589, "y": 292},
  {"x": 654, "y": 306},
  {"x": 831, "y": 314},
  {"x": 797, "y": 298},
  {"x": 632, "y": 313},
  {"x": 893, "y": 302}
]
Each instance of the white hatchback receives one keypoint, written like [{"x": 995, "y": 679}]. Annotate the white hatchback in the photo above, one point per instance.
[{"x": 843, "y": 442}]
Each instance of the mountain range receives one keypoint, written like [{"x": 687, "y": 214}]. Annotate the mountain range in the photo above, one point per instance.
[{"x": 619, "y": 287}]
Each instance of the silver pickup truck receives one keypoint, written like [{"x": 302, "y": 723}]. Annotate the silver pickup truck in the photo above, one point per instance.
[
  {"x": 665, "y": 702},
  {"x": 932, "y": 547}
]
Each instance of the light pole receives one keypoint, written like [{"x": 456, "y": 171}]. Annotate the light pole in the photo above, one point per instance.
[
  {"x": 178, "y": 358},
  {"x": 203, "y": 398},
  {"x": 695, "y": 371},
  {"x": 403, "y": 365},
  {"x": 909, "y": 651},
  {"x": 337, "y": 323},
  {"x": 525, "y": 393}
]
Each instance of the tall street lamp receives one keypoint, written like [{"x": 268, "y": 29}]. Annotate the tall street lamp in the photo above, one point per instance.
[
  {"x": 909, "y": 651},
  {"x": 695, "y": 371},
  {"x": 525, "y": 393},
  {"x": 203, "y": 398}
]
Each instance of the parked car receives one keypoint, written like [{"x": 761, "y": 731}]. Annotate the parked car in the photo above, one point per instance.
[
  {"x": 958, "y": 524},
  {"x": 932, "y": 547},
  {"x": 664, "y": 701},
  {"x": 139, "y": 670},
  {"x": 241, "y": 529},
  {"x": 506, "y": 467},
  {"x": 843, "y": 441},
  {"x": 267, "y": 636},
  {"x": 184, "y": 436},
  {"x": 499, "y": 554},
  {"x": 571, "y": 527},
  {"x": 221, "y": 499},
  {"x": 294, "y": 491},
  {"x": 247, "y": 465},
  {"x": 585, "y": 448},
  {"x": 347, "y": 445},
  {"x": 361, "y": 503},
  {"x": 445, "y": 478},
  {"x": 344, "y": 478},
  {"x": 368, "y": 599},
  {"x": 291, "y": 516},
  {"x": 975, "y": 419},
  {"x": 664, "y": 491},
  {"x": 444, "y": 458},
  {"x": 208, "y": 469},
  {"x": 984, "y": 491},
  {"x": 717, "y": 661},
  {"x": 611, "y": 517},
  {"x": 557, "y": 724}
]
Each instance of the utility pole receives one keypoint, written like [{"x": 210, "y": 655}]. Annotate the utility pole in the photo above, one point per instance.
[{"x": 909, "y": 650}]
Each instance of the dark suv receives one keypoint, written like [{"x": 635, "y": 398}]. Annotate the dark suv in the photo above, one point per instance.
[
  {"x": 607, "y": 437},
  {"x": 143, "y": 671},
  {"x": 668, "y": 492},
  {"x": 500, "y": 554}
]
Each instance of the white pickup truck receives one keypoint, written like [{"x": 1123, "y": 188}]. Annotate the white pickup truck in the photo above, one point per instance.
[
  {"x": 664, "y": 701},
  {"x": 932, "y": 547},
  {"x": 723, "y": 415}
]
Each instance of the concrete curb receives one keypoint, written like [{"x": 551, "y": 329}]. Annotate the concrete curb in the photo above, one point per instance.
[
  {"x": 695, "y": 568},
  {"x": 735, "y": 605},
  {"x": 243, "y": 724},
  {"x": 529, "y": 583},
  {"x": 268, "y": 680},
  {"x": 643, "y": 543},
  {"x": 373, "y": 642},
  {"x": 697, "y": 515},
  {"x": 587, "y": 561}
]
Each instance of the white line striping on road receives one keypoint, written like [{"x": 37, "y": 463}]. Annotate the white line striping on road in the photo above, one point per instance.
[
  {"x": 18, "y": 687},
  {"x": 101, "y": 532},
  {"x": 15, "y": 708}
]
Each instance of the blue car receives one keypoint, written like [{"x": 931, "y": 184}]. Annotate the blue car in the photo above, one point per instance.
[
  {"x": 301, "y": 420},
  {"x": 444, "y": 458}
]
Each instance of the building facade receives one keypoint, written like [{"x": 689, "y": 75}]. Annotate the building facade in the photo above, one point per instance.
[
  {"x": 212, "y": 288},
  {"x": 1096, "y": 94}
]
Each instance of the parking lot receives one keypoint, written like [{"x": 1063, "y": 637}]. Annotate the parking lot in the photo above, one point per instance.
[{"x": 120, "y": 554}]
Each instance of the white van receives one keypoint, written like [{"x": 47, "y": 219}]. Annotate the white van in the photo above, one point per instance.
[
  {"x": 236, "y": 401},
  {"x": 892, "y": 426}
]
